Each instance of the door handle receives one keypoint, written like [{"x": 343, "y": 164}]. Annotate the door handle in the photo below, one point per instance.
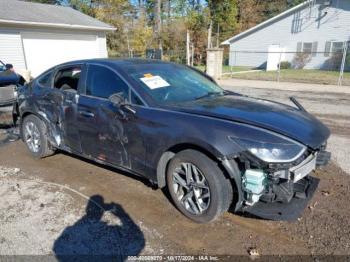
[{"x": 86, "y": 113}]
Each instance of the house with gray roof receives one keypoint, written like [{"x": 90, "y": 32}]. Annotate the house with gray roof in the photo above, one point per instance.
[
  {"x": 319, "y": 29},
  {"x": 36, "y": 36}
]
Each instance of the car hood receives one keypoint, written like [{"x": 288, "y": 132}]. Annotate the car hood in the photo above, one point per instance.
[{"x": 277, "y": 117}]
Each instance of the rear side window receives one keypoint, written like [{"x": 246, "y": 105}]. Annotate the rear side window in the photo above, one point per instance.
[
  {"x": 67, "y": 79},
  {"x": 103, "y": 82},
  {"x": 45, "y": 80}
]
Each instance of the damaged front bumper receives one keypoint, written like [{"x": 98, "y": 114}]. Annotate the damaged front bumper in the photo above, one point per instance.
[
  {"x": 282, "y": 193},
  {"x": 289, "y": 211}
]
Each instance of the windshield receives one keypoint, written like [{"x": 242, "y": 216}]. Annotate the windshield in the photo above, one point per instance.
[{"x": 171, "y": 83}]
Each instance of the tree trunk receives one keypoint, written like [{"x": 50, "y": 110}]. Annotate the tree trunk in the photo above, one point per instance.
[
  {"x": 141, "y": 8},
  {"x": 169, "y": 10}
]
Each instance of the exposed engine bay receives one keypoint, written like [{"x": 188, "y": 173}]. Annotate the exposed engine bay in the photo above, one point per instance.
[{"x": 264, "y": 188}]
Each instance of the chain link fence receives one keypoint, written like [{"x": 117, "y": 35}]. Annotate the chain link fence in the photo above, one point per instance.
[
  {"x": 331, "y": 67},
  {"x": 176, "y": 56}
]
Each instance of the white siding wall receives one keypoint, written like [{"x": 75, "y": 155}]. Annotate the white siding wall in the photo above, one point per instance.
[
  {"x": 11, "y": 50},
  {"x": 38, "y": 49},
  {"x": 45, "y": 50},
  {"x": 102, "y": 45},
  {"x": 320, "y": 27}
]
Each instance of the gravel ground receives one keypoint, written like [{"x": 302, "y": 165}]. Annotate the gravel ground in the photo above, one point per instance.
[{"x": 46, "y": 218}]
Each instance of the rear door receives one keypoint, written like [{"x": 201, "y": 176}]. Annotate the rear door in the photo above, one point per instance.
[{"x": 69, "y": 82}]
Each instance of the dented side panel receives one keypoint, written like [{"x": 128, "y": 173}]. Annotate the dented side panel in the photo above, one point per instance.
[{"x": 109, "y": 134}]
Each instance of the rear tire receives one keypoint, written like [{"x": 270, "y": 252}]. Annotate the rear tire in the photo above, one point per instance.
[
  {"x": 34, "y": 135},
  {"x": 203, "y": 193}
]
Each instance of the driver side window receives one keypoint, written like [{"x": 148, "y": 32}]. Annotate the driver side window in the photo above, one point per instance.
[{"x": 103, "y": 82}]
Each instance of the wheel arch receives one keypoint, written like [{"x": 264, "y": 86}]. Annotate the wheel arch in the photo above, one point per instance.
[
  {"x": 23, "y": 116},
  {"x": 28, "y": 113},
  {"x": 173, "y": 150}
]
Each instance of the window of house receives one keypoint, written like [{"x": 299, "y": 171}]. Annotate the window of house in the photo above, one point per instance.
[
  {"x": 337, "y": 47},
  {"x": 297, "y": 23},
  {"x": 333, "y": 47},
  {"x": 307, "y": 48},
  {"x": 67, "y": 79},
  {"x": 103, "y": 82}
]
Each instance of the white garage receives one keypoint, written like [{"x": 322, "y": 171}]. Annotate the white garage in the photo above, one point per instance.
[{"x": 36, "y": 36}]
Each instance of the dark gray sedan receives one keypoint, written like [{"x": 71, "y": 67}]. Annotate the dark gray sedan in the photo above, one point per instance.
[{"x": 176, "y": 127}]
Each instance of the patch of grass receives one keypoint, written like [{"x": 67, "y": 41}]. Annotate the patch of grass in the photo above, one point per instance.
[
  {"x": 227, "y": 69},
  {"x": 297, "y": 75},
  {"x": 200, "y": 67}
]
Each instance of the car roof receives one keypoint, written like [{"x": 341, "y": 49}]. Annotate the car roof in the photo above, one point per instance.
[{"x": 117, "y": 62}]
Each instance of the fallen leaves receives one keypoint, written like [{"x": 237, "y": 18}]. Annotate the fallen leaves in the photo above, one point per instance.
[
  {"x": 253, "y": 252},
  {"x": 325, "y": 193}
]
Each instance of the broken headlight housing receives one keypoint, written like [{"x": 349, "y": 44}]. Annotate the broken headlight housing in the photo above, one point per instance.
[{"x": 270, "y": 147}]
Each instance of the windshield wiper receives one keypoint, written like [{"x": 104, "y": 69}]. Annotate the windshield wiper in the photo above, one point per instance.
[{"x": 208, "y": 95}]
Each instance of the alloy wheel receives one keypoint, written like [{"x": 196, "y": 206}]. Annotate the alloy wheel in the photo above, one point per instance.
[
  {"x": 32, "y": 136},
  {"x": 191, "y": 188}
]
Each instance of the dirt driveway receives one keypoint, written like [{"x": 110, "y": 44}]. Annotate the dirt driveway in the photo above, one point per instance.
[
  {"x": 48, "y": 203},
  {"x": 66, "y": 205}
]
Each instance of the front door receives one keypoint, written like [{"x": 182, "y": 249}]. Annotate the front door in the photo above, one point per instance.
[{"x": 107, "y": 132}]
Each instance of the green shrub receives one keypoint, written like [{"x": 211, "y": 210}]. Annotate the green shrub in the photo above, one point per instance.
[{"x": 285, "y": 65}]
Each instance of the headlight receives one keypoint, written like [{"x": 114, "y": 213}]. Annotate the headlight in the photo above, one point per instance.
[{"x": 269, "y": 147}]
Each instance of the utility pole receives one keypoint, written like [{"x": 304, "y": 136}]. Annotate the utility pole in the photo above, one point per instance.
[
  {"x": 192, "y": 54},
  {"x": 209, "y": 34},
  {"x": 217, "y": 36},
  {"x": 188, "y": 47},
  {"x": 158, "y": 8},
  {"x": 341, "y": 75},
  {"x": 128, "y": 43}
]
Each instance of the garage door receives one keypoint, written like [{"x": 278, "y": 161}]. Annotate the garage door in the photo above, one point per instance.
[
  {"x": 11, "y": 51},
  {"x": 45, "y": 50}
]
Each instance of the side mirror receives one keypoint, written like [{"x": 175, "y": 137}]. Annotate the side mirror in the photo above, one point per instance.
[{"x": 117, "y": 99}]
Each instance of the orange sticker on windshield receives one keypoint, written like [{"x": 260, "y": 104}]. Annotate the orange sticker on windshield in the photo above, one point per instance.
[{"x": 147, "y": 75}]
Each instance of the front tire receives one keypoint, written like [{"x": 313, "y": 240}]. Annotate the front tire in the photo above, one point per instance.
[
  {"x": 34, "y": 135},
  {"x": 198, "y": 187}
]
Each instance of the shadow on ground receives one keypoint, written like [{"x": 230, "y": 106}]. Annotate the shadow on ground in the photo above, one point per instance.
[{"x": 106, "y": 232}]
